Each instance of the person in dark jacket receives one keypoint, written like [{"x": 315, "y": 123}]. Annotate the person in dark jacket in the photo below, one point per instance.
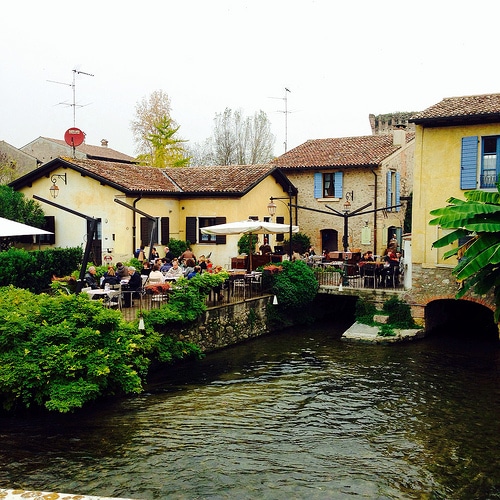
[
  {"x": 90, "y": 278},
  {"x": 133, "y": 286}
]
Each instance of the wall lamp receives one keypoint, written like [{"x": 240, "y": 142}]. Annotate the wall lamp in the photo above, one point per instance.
[{"x": 54, "y": 189}]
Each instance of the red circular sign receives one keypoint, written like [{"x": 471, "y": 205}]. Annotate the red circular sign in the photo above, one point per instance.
[{"x": 74, "y": 137}]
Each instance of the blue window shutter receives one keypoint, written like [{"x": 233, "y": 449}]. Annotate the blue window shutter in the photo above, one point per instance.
[
  {"x": 338, "y": 184},
  {"x": 468, "y": 163},
  {"x": 318, "y": 185},
  {"x": 397, "y": 189},
  {"x": 388, "y": 192}
]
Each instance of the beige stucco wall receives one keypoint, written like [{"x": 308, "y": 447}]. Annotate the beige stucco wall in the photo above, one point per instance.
[
  {"x": 362, "y": 183},
  {"x": 437, "y": 178},
  {"x": 87, "y": 196}
]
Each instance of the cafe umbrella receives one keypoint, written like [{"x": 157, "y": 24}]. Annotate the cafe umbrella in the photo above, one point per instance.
[
  {"x": 10, "y": 228},
  {"x": 249, "y": 227}
]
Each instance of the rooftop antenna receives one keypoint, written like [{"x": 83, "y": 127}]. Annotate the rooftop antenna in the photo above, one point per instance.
[
  {"x": 73, "y": 86},
  {"x": 286, "y": 114}
]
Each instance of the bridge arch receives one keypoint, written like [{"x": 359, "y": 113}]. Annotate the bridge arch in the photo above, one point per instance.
[{"x": 460, "y": 318}]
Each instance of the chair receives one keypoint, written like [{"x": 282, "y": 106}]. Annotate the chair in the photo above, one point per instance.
[
  {"x": 114, "y": 297},
  {"x": 256, "y": 282},
  {"x": 369, "y": 273},
  {"x": 239, "y": 286}
]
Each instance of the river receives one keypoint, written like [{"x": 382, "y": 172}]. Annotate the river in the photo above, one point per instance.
[{"x": 294, "y": 415}]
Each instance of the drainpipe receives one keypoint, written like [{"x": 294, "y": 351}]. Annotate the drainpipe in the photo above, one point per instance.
[
  {"x": 375, "y": 206},
  {"x": 134, "y": 229}
]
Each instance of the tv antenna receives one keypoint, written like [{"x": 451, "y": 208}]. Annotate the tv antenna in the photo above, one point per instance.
[
  {"x": 285, "y": 111},
  {"x": 73, "y": 86}
]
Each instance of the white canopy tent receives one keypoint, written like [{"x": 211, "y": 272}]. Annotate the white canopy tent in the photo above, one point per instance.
[
  {"x": 10, "y": 228},
  {"x": 249, "y": 227}
]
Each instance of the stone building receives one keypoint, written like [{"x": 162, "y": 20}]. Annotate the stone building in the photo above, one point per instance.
[{"x": 349, "y": 173}]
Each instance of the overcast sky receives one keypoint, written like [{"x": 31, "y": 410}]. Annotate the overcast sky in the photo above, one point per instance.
[{"x": 341, "y": 60}]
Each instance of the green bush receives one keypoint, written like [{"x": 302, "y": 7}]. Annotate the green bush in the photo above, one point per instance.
[
  {"x": 177, "y": 247},
  {"x": 34, "y": 270},
  {"x": 399, "y": 313},
  {"x": 364, "y": 311},
  {"x": 300, "y": 243},
  {"x": 62, "y": 352}
]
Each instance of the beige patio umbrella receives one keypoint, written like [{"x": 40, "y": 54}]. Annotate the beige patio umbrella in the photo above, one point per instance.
[{"x": 249, "y": 227}]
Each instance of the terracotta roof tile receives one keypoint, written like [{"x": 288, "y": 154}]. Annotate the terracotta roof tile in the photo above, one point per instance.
[
  {"x": 465, "y": 107},
  {"x": 196, "y": 180},
  {"x": 218, "y": 179},
  {"x": 340, "y": 152}
]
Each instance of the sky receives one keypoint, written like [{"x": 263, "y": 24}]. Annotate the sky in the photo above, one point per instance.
[{"x": 341, "y": 60}]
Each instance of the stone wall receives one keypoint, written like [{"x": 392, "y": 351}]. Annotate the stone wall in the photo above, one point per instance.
[{"x": 227, "y": 325}]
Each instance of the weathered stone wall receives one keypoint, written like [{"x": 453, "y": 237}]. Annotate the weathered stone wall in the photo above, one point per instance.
[{"x": 223, "y": 326}]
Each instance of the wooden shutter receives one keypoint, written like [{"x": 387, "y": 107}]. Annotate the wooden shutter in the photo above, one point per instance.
[
  {"x": 220, "y": 239},
  {"x": 397, "y": 190},
  {"x": 318, "y": 185},
  {"x": 338, "y": 181},
  {"x": 468, "y": 163},
  {"x": 146, "y": 227},
  {"x": 191, "y": 230},
  {"x": 49, "y": 225},
  {"x": 165, "y": 230},
  {"x": 388, "y": 189},
  {"x": 281, "y": 220}
]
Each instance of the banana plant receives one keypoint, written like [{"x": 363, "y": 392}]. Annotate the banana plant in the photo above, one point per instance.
[{"x": 475, "y": 221}]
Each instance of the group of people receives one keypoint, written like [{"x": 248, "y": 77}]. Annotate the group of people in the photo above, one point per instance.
[
  {"x": 384, "y": 271},
  {"x": 161, "y": 269}
]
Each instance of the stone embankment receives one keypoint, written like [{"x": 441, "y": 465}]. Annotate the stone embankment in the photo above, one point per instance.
[{"x": 46, "y": 495}]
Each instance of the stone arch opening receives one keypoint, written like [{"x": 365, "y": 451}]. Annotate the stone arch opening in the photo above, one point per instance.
[{"x": 460, "y": 319}]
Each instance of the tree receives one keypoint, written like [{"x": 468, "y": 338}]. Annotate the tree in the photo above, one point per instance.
[
  {"x": 15, "y": 206},
  {"x": 166, "y": 150},
  {"x": 476, "y": 229},
  {"x": 150, "y": 111},
  {"x": 236, "y": 140}
]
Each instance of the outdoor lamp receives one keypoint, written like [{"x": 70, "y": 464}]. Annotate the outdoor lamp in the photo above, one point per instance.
[
  {"x": 271, "y": 208},
  {"x": 54, "y": 189}
]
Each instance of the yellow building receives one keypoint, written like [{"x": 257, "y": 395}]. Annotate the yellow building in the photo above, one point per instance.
[
  {"x": 457, "y": 149},
  {"x": 182, "y": 200}
]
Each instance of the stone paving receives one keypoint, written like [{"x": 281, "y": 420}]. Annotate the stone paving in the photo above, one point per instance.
[{"x": 359, "y": 332}]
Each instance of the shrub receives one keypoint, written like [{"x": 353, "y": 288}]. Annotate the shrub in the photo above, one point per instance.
[
  {"x": 300, "y": 243},
  {"x": 62, "y": 352},
  {"x": 177, "y": 247},
  {"x": 399, "y": 313},
  {"x": 365, "y": 311}
]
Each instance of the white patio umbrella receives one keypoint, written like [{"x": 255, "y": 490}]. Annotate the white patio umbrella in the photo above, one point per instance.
[
  {"x": 249, "y": 227},
  {"x": 9, "y": 228}
]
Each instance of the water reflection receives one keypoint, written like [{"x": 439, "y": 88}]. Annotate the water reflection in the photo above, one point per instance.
[{"x": 294, "y": 415}]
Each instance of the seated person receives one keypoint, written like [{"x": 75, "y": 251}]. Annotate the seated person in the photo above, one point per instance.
[
  {"x": 165, "y": 265},
  {"x": 121, "y": 271},
  {"x": 156, "y": 276},
  {"x": 110, "y": 278},
  {"x": 189, "y": 268},
  {"x": 368, "y": 257},
  {"x": 196, "y": 270},
  {"x": 202, "y": 262},
  {"x": 134, "y": 284},
  {"x": 90, "y": 278},
  {"x": 175, "y": 271},
  {"x": 146, "y": 269}
]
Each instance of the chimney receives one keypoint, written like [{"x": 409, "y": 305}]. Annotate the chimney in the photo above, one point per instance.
[
  {"x": 104, "y": 143},
  {"x": 398, "y": 137}
]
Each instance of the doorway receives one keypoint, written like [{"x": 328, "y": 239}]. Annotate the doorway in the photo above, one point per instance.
[{"x": 329, "y": 240}]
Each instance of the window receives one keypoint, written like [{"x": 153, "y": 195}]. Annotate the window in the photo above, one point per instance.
[
  {"x": 328, "y": 185},
  {"x": 193, "y": 230},
  {"x": 489, "y": 161},
  {"x": 204, "y": 222},
  {"x": 50, "y": 225},
  {"x": 489, "y": 157},
  {"x": 161, "y": 234}
]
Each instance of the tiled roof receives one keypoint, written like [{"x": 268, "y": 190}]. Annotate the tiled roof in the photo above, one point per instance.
[
  {"x": 461, "y": 108},
  {"x": 97, "y": 152},
  {"x": 236, "y": 179},
  {"x": 219, "y": 179},
  {"x": 340, "y": 152}
]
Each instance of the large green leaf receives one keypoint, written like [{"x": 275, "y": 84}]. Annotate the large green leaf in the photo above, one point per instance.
[
  {"x": 483, "y": 196},
  {"x": 449, "y": 238}
]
